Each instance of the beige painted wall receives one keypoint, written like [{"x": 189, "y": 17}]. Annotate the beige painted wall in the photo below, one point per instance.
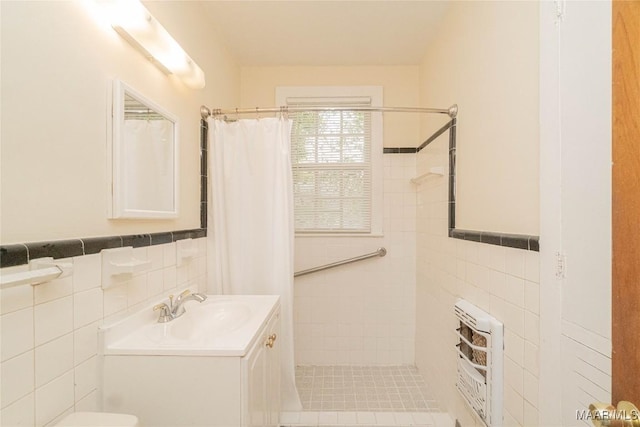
[
  {"x": 58, "y": 62},
  {"x": 400, "y": 88},
  {"x": 485, "y": 59}
]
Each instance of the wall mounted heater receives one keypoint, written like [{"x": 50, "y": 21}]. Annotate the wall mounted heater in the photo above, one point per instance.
[{"x": 480, "y": 351}]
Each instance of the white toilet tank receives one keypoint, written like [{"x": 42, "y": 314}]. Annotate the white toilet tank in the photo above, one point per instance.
[{"x": 98, "y": 419}]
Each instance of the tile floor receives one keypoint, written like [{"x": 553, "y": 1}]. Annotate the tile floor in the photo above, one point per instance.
[
  {"x": 389, "y": 396},
  {"x": 365, "y": 419},
  {"x": 363, "y": 388}
]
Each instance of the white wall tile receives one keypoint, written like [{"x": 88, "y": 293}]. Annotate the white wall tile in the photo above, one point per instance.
[
  {"x": 53, "y": 319},
  {"x": 532, "y": 297},
  {"x": 87, "y": 307},
  {"x": 19, "y": 413},
  {"x": 155, "y": 254},
  {"x": 54, "y": 289},
  {"x": 369, "y": 295},
  {"x": 532, "y": 266},
  {"x": 87, "y": 272},
  {"x": 515, "y": 262},
  {"x": 531, "y": 417},
  {"x": 54, "y": 398},
  {"x": 497, "y": 283},
  {"x": 88, "y": 403},
  {"x": 531, "y": 358},
  {"x": 347, "y": 418},
  {"x": 17, "y": 333},
  {"x": 514, "y": 291},
  {"x": 513, "y": 318},
  {"x": 366, "y": 418},
  {"x": 137, "y": 290},
  {"x": 85, "y": 378},
  {"x": 169, "y": 254},
  {"x": 16, "y": 298},
  {"x": 17, "y": 378},
  {"x": 514, "y": 375},
  {"x": 155, "y": 282},
  {"x": 182, "y": 274},
  {"x": 532, "y": 327},
  {"x": 510, "y": 421},
  {"x": 531, "y": 388},
  {"x": 497, "y": 258},
  {"x": 56, "y": 420},
  {"x": 514, "y": 347},
  {"x": 170, "y": 280},
  {"x": 85, "y": 342},
  {"x": 53, "y": 359},
  {"x": 514, "y": 404},
  {"x": 404, "y": 419},
  {"x": 114, "y": 300}
]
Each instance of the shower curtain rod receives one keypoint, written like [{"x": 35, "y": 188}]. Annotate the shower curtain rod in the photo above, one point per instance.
[{"x": 206, "y": 112}]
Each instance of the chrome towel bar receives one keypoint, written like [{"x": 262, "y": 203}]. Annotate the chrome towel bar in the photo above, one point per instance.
[{"x": 380, "y": 252}]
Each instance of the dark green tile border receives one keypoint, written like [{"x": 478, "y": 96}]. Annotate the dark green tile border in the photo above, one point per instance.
[
  {"x": 19, "y": 254},
  {"x": 399, "y": 150},
  {"x": 518, "y": 241}
]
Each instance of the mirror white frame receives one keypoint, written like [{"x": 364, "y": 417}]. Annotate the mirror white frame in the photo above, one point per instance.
[{"x": 136, "y": 185}]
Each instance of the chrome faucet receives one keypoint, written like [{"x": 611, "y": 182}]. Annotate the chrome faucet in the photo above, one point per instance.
[{"x": 175, "y": 309}]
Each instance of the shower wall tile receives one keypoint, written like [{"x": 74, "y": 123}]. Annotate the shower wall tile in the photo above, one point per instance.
[
  {"x": 50, "y": 331},
  {"x": 362, "y": 313},
  {"x": 503, "y": 281}
]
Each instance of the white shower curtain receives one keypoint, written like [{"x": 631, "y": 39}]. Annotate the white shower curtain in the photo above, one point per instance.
[{"x": 252, "y": 192}]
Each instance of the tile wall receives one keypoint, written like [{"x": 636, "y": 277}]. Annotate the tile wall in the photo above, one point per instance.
[
  {"x": 500, "y": 280},
  {"x": 362, "y": 313},
  {"x": 49, "y": 346}
]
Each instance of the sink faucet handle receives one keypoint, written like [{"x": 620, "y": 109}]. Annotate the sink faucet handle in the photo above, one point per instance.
[
  {"x": 184, "y": 293},
  {"x": 161, "y": 306},
  {"x": 165, "y": 312}
]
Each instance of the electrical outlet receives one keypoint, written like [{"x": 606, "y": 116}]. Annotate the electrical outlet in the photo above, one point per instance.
[{"x": 561, "y": 266}]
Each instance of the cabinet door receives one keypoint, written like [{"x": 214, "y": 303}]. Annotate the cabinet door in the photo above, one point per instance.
[
  {"x": 257, "y": 409},
  {"x": 273, "y": 371}
]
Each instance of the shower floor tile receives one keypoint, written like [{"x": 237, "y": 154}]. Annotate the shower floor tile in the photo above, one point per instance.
[
  {"x": 363, "y": 388},
  {"x": 365, "y": 419}
]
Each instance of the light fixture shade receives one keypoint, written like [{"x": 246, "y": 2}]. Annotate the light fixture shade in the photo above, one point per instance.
[{"x": 136, "y": 25}]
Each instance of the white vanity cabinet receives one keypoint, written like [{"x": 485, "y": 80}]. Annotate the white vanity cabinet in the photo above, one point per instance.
[
  {"x": 262, "y": 379},
  {"x": 232, "y": 386}
]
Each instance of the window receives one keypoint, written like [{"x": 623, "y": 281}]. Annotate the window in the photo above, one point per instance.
[{"x": 336, "y": 159}]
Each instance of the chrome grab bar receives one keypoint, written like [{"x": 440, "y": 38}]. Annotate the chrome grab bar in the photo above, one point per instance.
[{"x": 380, "y": 252}]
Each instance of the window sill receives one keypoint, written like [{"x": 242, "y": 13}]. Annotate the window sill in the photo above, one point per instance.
[{"x": 339, "y": 235}]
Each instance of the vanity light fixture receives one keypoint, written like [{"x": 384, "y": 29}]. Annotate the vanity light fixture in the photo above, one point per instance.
[{"x": 136, "y": 25}]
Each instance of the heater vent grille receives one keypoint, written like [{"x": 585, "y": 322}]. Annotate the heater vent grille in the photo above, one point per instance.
[{"x": 480, "y": 362}]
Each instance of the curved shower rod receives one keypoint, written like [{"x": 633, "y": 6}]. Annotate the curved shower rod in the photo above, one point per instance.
[{"x": 206, "y": 112}]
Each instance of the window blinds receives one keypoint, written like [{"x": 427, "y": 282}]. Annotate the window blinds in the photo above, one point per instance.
[{"x": 331, "y": 159}]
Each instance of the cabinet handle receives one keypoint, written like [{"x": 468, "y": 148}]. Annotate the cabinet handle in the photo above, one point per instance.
[{"x": 272, "y": 339}]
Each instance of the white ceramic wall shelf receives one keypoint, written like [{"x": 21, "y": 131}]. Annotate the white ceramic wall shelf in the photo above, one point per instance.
[
  {"x": 433, "y": 171},
  {"x": 119, "y": 264},
  {"x": 186, "y": 250}
]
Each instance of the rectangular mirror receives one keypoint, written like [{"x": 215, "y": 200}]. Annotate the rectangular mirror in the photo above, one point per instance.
[{"x": 144, "y": 157}]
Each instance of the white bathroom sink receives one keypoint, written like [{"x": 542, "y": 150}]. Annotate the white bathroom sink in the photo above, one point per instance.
[
  {"x": 221, "y": 325},
  {"x": 213, "y": 317}
]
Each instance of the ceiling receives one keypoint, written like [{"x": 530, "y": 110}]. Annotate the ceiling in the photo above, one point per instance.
[{"x": 325, "y": 32}]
